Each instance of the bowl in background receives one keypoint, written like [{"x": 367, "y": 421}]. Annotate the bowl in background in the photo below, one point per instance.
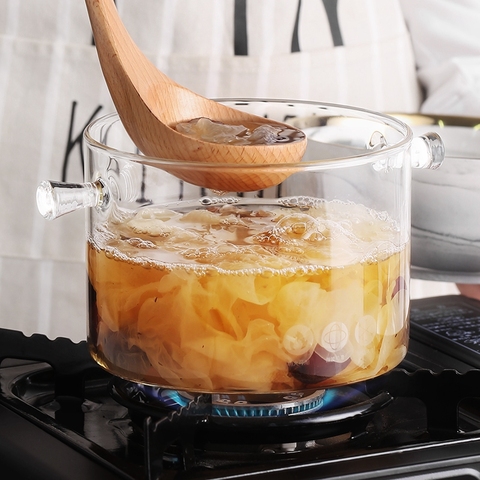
[{"x": 446, "y": 202}]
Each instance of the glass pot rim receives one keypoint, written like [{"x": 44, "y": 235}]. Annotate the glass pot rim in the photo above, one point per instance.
[{"x": 346, "y": 112}]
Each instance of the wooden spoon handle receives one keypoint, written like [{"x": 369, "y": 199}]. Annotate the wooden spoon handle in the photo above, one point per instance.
[
  {"x": 129, "y": 74},
  {"x": 119, "y": 52}
]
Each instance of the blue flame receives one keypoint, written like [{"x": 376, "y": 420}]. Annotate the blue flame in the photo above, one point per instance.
[{"x": 240, "y": 405}]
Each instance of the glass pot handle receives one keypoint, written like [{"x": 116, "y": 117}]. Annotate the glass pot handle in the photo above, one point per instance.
[
  {"x": 427, "y": 151},
  {"x": 55, "y": 199}
]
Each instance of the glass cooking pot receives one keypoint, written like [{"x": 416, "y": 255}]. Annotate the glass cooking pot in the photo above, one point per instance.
[{"x": 298, "y": 287}]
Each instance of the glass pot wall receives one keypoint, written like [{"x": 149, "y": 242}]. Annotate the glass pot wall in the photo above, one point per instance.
[{"x": 300, "y": 286}]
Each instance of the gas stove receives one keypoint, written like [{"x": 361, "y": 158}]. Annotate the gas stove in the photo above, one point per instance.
[{"x": 62, "y": 416}]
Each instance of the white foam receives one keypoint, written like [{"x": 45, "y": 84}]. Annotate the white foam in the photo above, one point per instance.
[{"x": 309, "y": 235}]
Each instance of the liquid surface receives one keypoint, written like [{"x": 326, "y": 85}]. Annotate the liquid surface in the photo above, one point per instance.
[
  {"x": 257, "y": 134},
  {"x": 279, "y": 297}
]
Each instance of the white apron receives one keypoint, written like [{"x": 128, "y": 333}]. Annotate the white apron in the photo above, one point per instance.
[{"x": 51, "y": 86}]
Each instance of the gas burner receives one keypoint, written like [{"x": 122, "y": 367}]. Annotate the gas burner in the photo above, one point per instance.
[
  {"x": 317, "y": 415},
  {"x": 233, "y": 405},
  {"x": 182, "y": 428}
]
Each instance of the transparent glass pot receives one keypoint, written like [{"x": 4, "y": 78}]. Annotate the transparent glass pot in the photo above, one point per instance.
[{"x": 297, "y": 287}]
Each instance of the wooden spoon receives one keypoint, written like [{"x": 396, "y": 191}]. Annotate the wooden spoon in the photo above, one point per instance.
[{"x": 150, "y": 105}]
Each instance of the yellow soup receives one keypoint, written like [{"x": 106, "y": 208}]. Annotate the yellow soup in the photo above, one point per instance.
[{"x": 242, "y": 298}]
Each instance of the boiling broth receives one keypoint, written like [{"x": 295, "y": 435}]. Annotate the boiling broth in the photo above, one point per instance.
[{"x": 276, "y": 297}]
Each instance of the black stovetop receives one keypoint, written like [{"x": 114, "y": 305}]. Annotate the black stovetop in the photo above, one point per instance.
[{"x": 61, "y": 416}]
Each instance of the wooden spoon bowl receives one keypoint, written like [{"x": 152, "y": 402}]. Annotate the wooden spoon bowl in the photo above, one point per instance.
[{"x": 150, "y": 105}]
